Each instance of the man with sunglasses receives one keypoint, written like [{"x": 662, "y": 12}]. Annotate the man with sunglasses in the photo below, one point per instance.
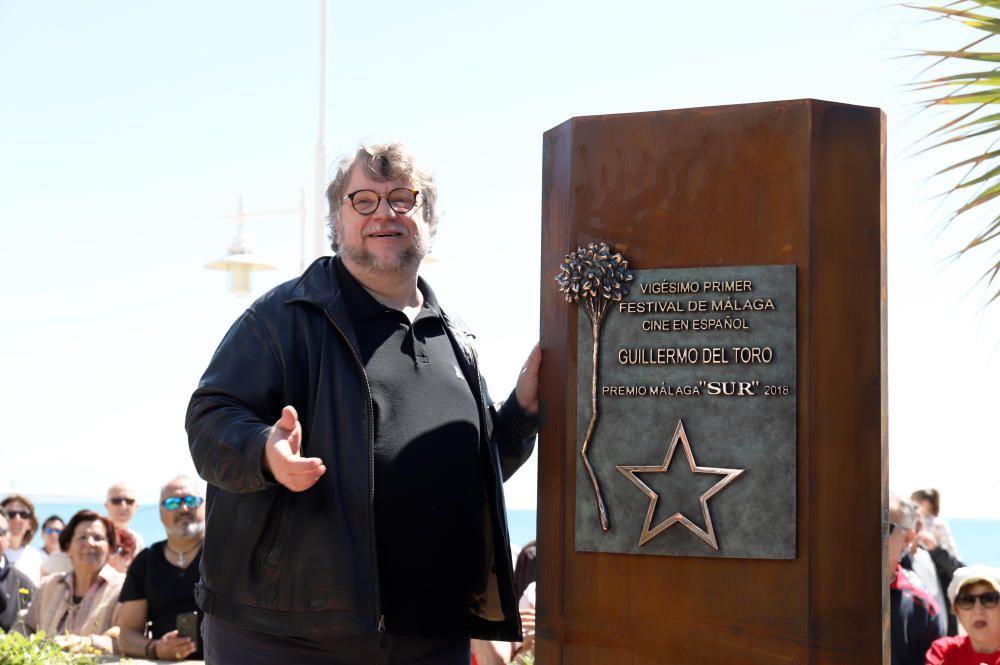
[
  {"x": 12, "y": 581},
  {"x": 354, "y": 458},
  {"x": 915, "y": 617},
  {"x": 974, "y": 593},
  {"x": 160, "y": 582},
  {"x": 122, "y": 505}
]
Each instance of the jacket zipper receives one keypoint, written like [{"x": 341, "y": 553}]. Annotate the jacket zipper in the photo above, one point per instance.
[{"x": 379, "y": 617}]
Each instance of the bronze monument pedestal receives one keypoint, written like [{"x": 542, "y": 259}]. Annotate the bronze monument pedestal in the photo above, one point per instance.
[{"x": 798, "y": 185}]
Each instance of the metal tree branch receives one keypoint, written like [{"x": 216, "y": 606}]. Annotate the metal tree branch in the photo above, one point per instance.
[
  {"x": 589, "y": 436},
  {"x": 593, "y": 278}
]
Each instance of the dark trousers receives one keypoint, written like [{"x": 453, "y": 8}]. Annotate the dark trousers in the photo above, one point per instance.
[{"x": 228, "y": 644}]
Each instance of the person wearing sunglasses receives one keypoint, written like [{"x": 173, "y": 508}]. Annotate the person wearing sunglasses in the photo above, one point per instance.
[
  {"x": 915, "y": 618},
  {"x": 159, "y": 585},
  {"x": 23, "y": 524},
  {"x": 15, "y": 587},
  {"x": 51, "y": 528},
  {"x": 54, "y": 560},
  {"x": 974, "y": 593},
  {"x": 121, "y": 504},
  {"x": 355, "y": 461}
]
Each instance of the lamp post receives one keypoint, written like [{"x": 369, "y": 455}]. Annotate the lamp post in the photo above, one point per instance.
[
  {"x": 241, "y": 260},
  {"x": 319, "y": 200}
]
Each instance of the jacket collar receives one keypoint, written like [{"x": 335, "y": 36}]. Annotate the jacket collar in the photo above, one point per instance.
[
  {"x": 319, "y": 286},
  {"x": 105, "y": 575}
]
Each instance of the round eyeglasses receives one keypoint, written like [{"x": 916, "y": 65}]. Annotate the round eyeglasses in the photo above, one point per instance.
[
  {"x": 174, "y": 502},
  {"x": 367, "y": 201}
]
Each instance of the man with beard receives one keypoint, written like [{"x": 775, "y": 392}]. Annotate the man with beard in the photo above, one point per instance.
[
  {"x": 355, "y": 461},
  {"x": 160, "y": 582}
]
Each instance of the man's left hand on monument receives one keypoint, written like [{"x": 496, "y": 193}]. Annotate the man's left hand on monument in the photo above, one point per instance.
[{"x": 526, "y": 390}]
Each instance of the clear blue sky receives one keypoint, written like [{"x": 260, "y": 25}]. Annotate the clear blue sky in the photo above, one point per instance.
[{"x": 128, "y": 131}]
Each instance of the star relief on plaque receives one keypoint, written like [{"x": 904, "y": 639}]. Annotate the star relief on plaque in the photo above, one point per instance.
[{"x": 726, "y": 476}]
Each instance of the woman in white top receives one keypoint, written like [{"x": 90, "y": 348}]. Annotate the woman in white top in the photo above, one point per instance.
[
  {"x": 929, "y": 503},
  {"x": 22, "y": 524}
]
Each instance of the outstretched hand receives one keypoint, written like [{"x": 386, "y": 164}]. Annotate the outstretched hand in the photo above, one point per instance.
[
  {"x": 526, "y": 390},
  {"x": 282, "y": 457}
]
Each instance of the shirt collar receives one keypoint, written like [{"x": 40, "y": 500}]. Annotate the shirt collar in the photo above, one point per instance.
[
  {"x": 363, "y": 305},
  {"x": 360, "y": 303}
]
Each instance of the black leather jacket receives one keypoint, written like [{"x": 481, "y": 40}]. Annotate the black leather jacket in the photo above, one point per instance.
[{"x": 304, "y": 564}]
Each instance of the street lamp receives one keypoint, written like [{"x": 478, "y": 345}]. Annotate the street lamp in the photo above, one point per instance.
[
  {"x": 320, "y": 247},
  {"x": 241, "y": 260}
]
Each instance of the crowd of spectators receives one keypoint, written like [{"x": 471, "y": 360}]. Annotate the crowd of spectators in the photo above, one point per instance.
[
  {"x": 93, "y": 585},
  {"x": 942, "y": 612}
]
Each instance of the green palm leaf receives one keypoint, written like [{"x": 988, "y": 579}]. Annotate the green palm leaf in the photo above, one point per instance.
[{"x": 975, "y": 97}]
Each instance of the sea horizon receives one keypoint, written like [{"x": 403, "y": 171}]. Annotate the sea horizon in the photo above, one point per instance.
[{"x": 977, "y": 539}]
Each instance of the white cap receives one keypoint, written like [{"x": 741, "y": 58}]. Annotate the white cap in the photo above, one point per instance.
[{"x": 971, "y": 575}]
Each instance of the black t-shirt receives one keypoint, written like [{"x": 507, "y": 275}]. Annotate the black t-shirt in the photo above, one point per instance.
[
  {"x": 167, "y": 589},
  {"x": 429, "y": 500}
]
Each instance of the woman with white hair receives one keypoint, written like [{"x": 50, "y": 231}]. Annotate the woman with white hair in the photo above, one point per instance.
[{"x": 974, "y": 593}]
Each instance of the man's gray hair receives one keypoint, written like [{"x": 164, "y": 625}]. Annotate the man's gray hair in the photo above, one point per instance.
[
  {"x": 901, "y": 511},
  {"x": 384, "y": 162},
  {"x": 197, "y": 484}
]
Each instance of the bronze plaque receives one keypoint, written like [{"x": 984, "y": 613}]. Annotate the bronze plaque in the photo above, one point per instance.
[{"x": 693, "y": 444}]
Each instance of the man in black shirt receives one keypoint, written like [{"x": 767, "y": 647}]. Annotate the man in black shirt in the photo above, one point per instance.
[
  {"x": 16, "y": 588},
  {"x": 366, "y": 524},
  {"x": 159, "y": 585}
]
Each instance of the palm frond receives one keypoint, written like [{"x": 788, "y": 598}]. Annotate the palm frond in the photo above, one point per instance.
[{"x": 974, "y": 97}]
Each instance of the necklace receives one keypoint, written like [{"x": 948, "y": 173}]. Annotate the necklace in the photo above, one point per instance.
[{"x": 181, "y": 561}]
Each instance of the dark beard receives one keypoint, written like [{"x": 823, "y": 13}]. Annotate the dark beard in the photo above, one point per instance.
[{"x": 403, "y": 261}]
